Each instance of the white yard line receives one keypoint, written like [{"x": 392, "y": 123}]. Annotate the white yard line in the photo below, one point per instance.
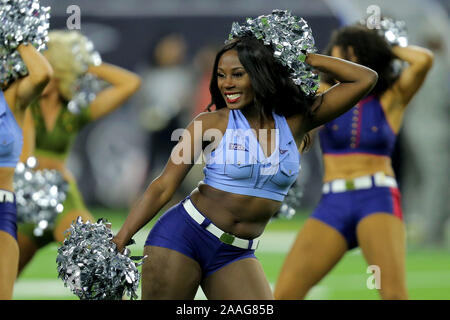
[
  {"x": 44, "y": 289},
  {"x": 32, "y": 288}
]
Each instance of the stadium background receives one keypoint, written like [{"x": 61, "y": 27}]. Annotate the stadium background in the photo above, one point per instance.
[{"x": 116, "y": 157}]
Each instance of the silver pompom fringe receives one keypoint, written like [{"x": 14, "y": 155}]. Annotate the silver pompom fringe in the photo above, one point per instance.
[
  {"x": 86, "y": 87},
  {"x": 21, "y": 21},
  {"x": 290, "y": 203},
  {"x": 291, "y": 39},
  {"x": 40, "y": 195},
  {"x": 90, "y": 265},
  {"x": 85, "y": 90},
  {"x": 394, "y": 31}
]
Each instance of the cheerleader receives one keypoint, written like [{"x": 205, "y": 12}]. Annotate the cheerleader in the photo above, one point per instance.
[
  {"x": 360, "y": 205},
  {"x": 53, "y": 126}
]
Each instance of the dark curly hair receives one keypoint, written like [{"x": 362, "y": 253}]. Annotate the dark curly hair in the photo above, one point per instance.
[
  {"x": 371, "y": 50},
  {"x": 273, "y": 88}
]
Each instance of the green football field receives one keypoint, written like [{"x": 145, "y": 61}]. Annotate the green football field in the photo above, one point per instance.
[{"x": 428, "y": 271}]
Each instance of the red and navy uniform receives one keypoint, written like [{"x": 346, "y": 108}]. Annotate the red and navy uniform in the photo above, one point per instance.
[{"x": 362, "y": 130}]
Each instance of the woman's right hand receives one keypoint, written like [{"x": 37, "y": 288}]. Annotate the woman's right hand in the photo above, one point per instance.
[{"x": 119, "y": 244}]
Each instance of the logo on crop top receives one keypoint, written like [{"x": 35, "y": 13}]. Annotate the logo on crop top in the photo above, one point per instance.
[
  {"x": 282, "y": 151},
  {"x": 236, "y": 146}
]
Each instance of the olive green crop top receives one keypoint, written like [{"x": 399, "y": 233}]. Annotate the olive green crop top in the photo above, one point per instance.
[{"x": 58, "y": 141}]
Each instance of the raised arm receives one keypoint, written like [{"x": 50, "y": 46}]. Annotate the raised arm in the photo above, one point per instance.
[
  {"x": 410, "y": 80},
  {"x": 124, "y": 84},
  {"x": 161, "y": 190},
  {"x": 355, "y": 81},
  {"x": 29, "y": 87},
  {"x": 29, "y": 136}
]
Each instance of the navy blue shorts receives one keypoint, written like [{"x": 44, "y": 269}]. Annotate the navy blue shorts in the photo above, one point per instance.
[
  {"x": 176, "y": 230},
  {"x": 344, "y": 210},
  {"x": 8, "y": 218}
]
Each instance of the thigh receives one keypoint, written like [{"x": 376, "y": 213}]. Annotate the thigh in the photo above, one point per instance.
[
  {"x": 29, "y": 243},
  {"x": 73, "y": 208},
  {"x": 27, "y": 249},
  {"x": 316, "y": 250},
  {"x": 9, "y": 260},
  {"x": 240, "y": 280},
  {"x": 382, "y": 239},
  {"x": 169, "y": 275}
]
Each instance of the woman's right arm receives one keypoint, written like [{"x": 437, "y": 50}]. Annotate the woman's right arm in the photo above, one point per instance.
[
  {"x": 355, "y": 81},
  {"x": 161, "y": 190},
  {"x": 24, "y": 90}
]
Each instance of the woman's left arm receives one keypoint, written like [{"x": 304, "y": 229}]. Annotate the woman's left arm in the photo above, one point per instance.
[
  {"x": 410, "y": 80},
  {"x": 124, "y": 84},
  {"x": 354, "y": 82}
]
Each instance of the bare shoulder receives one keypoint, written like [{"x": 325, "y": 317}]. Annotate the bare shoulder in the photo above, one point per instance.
[{"x": 217, "y": 119}]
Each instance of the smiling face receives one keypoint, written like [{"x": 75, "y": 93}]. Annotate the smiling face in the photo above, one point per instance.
[{"x": 233, "y": 81}]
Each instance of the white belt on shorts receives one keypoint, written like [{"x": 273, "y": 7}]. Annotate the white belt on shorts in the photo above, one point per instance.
[
  {"x": 222, "y": 235},
  {"x": 6, "y": 196},
  {"x": 379, "y": 179}
]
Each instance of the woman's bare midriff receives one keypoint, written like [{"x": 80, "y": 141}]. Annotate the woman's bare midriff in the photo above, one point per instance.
[
  {"x": 6, "y": 178},
  {"x": 241, "y": 215},
  {"x": 352, "y": 166}
]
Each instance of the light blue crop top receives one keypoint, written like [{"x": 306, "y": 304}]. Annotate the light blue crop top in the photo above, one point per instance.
[
  {"x": 238, "y": 164},
  {"x": 11, "y": 138}
]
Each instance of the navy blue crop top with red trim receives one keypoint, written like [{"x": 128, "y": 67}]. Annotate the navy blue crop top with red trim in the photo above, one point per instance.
[
  {"x": 238, "y": 164},
  {"x": 363, "y": 129}
]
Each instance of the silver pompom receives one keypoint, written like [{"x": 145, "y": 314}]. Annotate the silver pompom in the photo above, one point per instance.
[
  {"x": 85, "y": 91},
  {"x": 394, "y": 31},
  {"x": 40, "y": 195},
  {"x": 86, "y": 54},
  {"x": 291, "y": 39},
  {"x": 21, "y": 21},
  {"x": 90, "y": 265},
  {"x": 86, "y": 87},
  {"x": 291, "y": 202}
]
